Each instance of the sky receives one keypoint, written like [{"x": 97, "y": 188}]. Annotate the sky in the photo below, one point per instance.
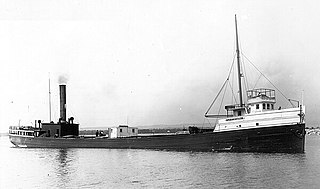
[{"x": 148, "y": 62}]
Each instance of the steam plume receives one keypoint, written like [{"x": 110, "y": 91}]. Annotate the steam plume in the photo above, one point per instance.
[{"x": 63, "y": 79}]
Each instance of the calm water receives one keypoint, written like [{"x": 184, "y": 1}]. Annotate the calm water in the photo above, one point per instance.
[{"x": 104, "y": 168}]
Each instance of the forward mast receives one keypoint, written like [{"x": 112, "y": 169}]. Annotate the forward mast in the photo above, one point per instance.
[{"x": 238, "y": 63}]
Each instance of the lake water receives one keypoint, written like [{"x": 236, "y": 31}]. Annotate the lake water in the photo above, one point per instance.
[{"x": 109, "y": 168}]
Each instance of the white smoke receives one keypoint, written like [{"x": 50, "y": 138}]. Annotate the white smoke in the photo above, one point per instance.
[{"x": 63, "y": 79}]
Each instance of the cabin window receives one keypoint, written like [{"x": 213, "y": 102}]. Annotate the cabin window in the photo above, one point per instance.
[
  {"x": 268, "y": 106},
  {"x": 263, "y": 106},
  {"x": 120, "y": 130},
  {"x": 239, "y": 113},
  {"x": 133, "y": 130},
  {"x": 239, "y": 125},
  {"x": 272, "y": 107},
  {"x": 257, "y": 124},
  {"x": 257, "y": 106}
]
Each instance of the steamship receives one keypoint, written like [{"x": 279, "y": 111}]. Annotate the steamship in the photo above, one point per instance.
[{"x": 253, "y": 126}]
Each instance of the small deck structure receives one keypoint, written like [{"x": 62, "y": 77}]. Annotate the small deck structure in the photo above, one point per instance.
[{"x": 122, "y": 131}]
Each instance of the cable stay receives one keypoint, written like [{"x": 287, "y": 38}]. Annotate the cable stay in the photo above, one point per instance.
[
  {"x": 261, "y": 74},
  {"x": 223, "y": 86}
]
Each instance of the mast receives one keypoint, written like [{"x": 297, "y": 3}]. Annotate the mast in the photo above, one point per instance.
[
  {"x": 238, "y": 62},
  {"x": 49, "y": 101}
]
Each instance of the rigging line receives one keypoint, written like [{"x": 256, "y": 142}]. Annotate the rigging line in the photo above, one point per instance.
[
  {"x": 233, "y": 95},
  {"x": 244, "y": 68},
  {"x": 231, "y": 83},
  {"x": 209, "y": 122},
  {"x": 245, "y": 75},
  {"x": 257, "y": 81},
  {"x": 231, "y": 68},
  {"x": 216, "y": 96},
  {"x": 221, "y": 104},
  {"x": 231, "y": 86},
  {"x": 245, "y": 81},
  {"x": 222, "y": 86},
  {"x": 204, "y": 121},
  {"x": 215, "y": 123},
  {"x": 265, "y": 77},
  {"x": 222, "y": 100}
]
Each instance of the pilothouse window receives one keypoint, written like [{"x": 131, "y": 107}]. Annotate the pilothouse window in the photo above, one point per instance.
[{"x": 257, "y": 106}]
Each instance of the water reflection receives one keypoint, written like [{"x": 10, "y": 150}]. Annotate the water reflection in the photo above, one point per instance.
[{"x": 64, "y": 162}]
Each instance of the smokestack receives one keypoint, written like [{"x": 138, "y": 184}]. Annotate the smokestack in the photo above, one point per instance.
[{"x": 63, "y": 103}]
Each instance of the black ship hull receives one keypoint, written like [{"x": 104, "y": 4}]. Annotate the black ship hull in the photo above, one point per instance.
[{"x": 283, "y": 139}]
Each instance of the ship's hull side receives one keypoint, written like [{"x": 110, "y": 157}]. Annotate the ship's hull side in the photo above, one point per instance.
[{"x": 288, "y": 139}]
